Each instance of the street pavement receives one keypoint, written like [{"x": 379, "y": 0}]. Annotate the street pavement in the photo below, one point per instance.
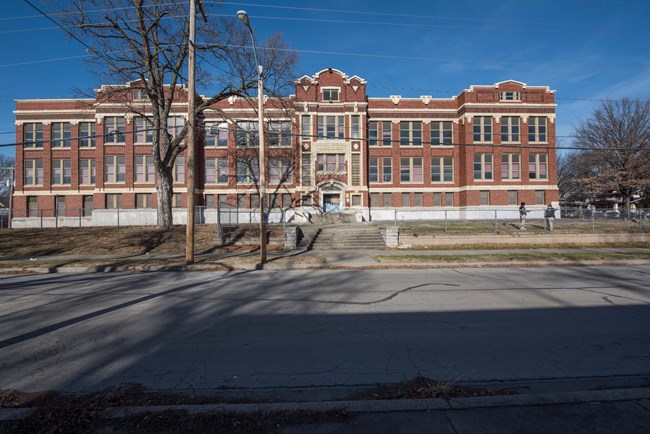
[{"x": 616, "y": 403}]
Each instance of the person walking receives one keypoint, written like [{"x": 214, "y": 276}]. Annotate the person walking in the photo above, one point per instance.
[
  {"x": 522, "y": 216},
  {"x": 549, "y": 215}
]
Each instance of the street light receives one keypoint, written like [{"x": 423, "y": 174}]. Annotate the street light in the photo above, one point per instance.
[{"x": 243, "y": 17}]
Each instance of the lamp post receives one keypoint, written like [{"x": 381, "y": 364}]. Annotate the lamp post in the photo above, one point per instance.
[{"x": 243, "y": 17}]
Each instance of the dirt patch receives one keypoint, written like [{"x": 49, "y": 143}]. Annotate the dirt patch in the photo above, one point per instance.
[
  {"x": 120, "y": 240},
  {"x": 423, "y": 387}
]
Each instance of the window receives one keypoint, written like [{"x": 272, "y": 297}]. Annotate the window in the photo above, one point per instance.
[
  {"x": 175, "y": 125},
  {"x": 34, "y": 172},
  {"x": 386, "y": 133},
  {"x": 540, "y": 198},
  {"x": 417, "y": 199},
  {"x": 485, "y": 197},
  {"x": 177, "y": 200},
  {"x": 287, "y": 200},
  {"x": 449, "y": 199},
  {"x": 114, "y": 168},
  {"x": 482, "y": 129},
  {"x": 330, "y": 94},
  {"x": 330, "y": 163},
  {"x": 247, "y": 171},
  {"x": 356, "y": 200},
  {"x": 331, "y": 127},
  {"x": 255, "y": 200},
  {"x": 441, "y": 133},
  {"x": 247, "y": 134},
  {"x": 510, "y": 129},
  {"x": 537, "y": 166},
  {"x": 279, "y": 170},
  {"x": 113, "y": 201},
  {"x": 279, "y": 133},
  {"x": 306, "y": 199},
  {"x": 143, "y": 130},
  {"x": 33, "y": 135},
  {"x": 511, "y": 166},
  {"x": 387, "y": 200},
  {"x": 411, "y": 169},
  {"x": 216, "y": 170},
  {"x": 59, "y": 205},
  {"x": 140, "y": 94},
  {"x": 144, "y": 169},
  {"x": 406, "y": 199},
  {"x": 179, "y": 169},
  {"x": 143, "y": 200},
  {"x": 209, "y": 201},
  {"x": 483, "y": 167},
  {"x": 305, "y": 125},
  {"x": 216, "y": 134},
  {"x": 442, "y": 169},
  {"x": 379, "y": 131},
  {"x": 537, "y": 129},
  {"x": 305, "y": 174},
  {"x": 32, "y": 206},
  {"x": 87, "y": 171},
  {"x": 88, "y": 204},
  {"x": 61, "y": 172},
  {"x": 509, "y": 96},
  {"x": 61, "y": 134},
  {"x": 373, "y": 133},
  {"x": 380, "y": 165},
  {"x": 374, "y": 200},
  {"x": 86, "y": 134},
  {"x": 410, "y": 133},
  {"x": 241, "y": 200},
  {"x": 512, "y": 197},
  {"x": 114, "y": 129},
  {"x": 437, "y": 199},
  {"x": 355, "y": 127}
]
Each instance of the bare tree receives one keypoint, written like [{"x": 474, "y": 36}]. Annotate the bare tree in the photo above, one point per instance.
[
  {"x": 7, "y": 168},
  {"x": 148, "y": 42},
  {"x": 616, "y": 142}
]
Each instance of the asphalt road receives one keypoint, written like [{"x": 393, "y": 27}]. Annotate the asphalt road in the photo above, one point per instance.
[{"x": 195, "y": 331}]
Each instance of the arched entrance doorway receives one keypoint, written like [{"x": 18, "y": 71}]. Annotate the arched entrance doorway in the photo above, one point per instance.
[{"x": 331, "y": 196}]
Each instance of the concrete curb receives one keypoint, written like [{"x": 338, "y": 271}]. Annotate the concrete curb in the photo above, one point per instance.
[
  {"x": 323, "y": 266},
  {"x": 380, "y": 406}
]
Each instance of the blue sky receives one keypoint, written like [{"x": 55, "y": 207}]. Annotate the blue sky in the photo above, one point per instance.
[{"x": 586, "y": 50}]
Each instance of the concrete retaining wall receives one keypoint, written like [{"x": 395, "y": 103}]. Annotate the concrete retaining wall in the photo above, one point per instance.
[{"x": 406, "y": 241}]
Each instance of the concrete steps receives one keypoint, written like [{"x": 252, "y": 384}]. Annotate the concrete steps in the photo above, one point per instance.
[{"x": 348, "y": 237}]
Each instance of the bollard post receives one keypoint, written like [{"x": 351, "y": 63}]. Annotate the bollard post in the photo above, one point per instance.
[
  {"x": 445, "y": 220},
  {"x": 496, "y": 224}
]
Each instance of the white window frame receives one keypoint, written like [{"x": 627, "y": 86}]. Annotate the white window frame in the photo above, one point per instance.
[
  {"x": 438, "y": 133},
  {"x": 443, "y": 169},
  {"x": 35, "y": 167},
  {"x": 410, "y": 136},
  {"x": 331, "y": 127},
  {"x": 483, "y": 160},
  {"x": 538, "y": 129},
  {"x": 33, "y": 134},
  {"x": 61, "y": 134},
  {"x": 61, "y": 171},
  {"x": 510, "y": 129},
  {"x": 118, "y": 165},
  {"x": 328, "y": 94},
  {"x": 114, "y": 130},
  {"x": 535, "y": 162},
  {"x": 482, "y": 129},
  {"x": 511, "y": 167},
  {"x": 87, "y": 135},
  {"x": 89, "y": 165},
  {"x": 409, "y": 168}
]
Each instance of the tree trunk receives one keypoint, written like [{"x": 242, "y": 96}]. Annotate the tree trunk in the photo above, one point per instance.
[{"x": 165, "y": 194}]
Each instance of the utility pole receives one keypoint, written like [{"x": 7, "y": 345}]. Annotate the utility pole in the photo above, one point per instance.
[{"x": 191, "y": 119}]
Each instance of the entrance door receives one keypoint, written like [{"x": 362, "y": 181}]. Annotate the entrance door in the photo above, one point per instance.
[{"x": 332, "y": 202}]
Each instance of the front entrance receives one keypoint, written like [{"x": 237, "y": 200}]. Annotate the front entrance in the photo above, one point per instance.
[{"x": 331, "y": 202}]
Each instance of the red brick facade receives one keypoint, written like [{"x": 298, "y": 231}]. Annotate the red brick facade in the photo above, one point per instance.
[{"x": 488, "y": 146}]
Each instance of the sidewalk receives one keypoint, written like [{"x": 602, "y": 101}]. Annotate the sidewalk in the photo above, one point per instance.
[
  {"x": 317, "y": 259},
  {"x": 594, "y": 411}
]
